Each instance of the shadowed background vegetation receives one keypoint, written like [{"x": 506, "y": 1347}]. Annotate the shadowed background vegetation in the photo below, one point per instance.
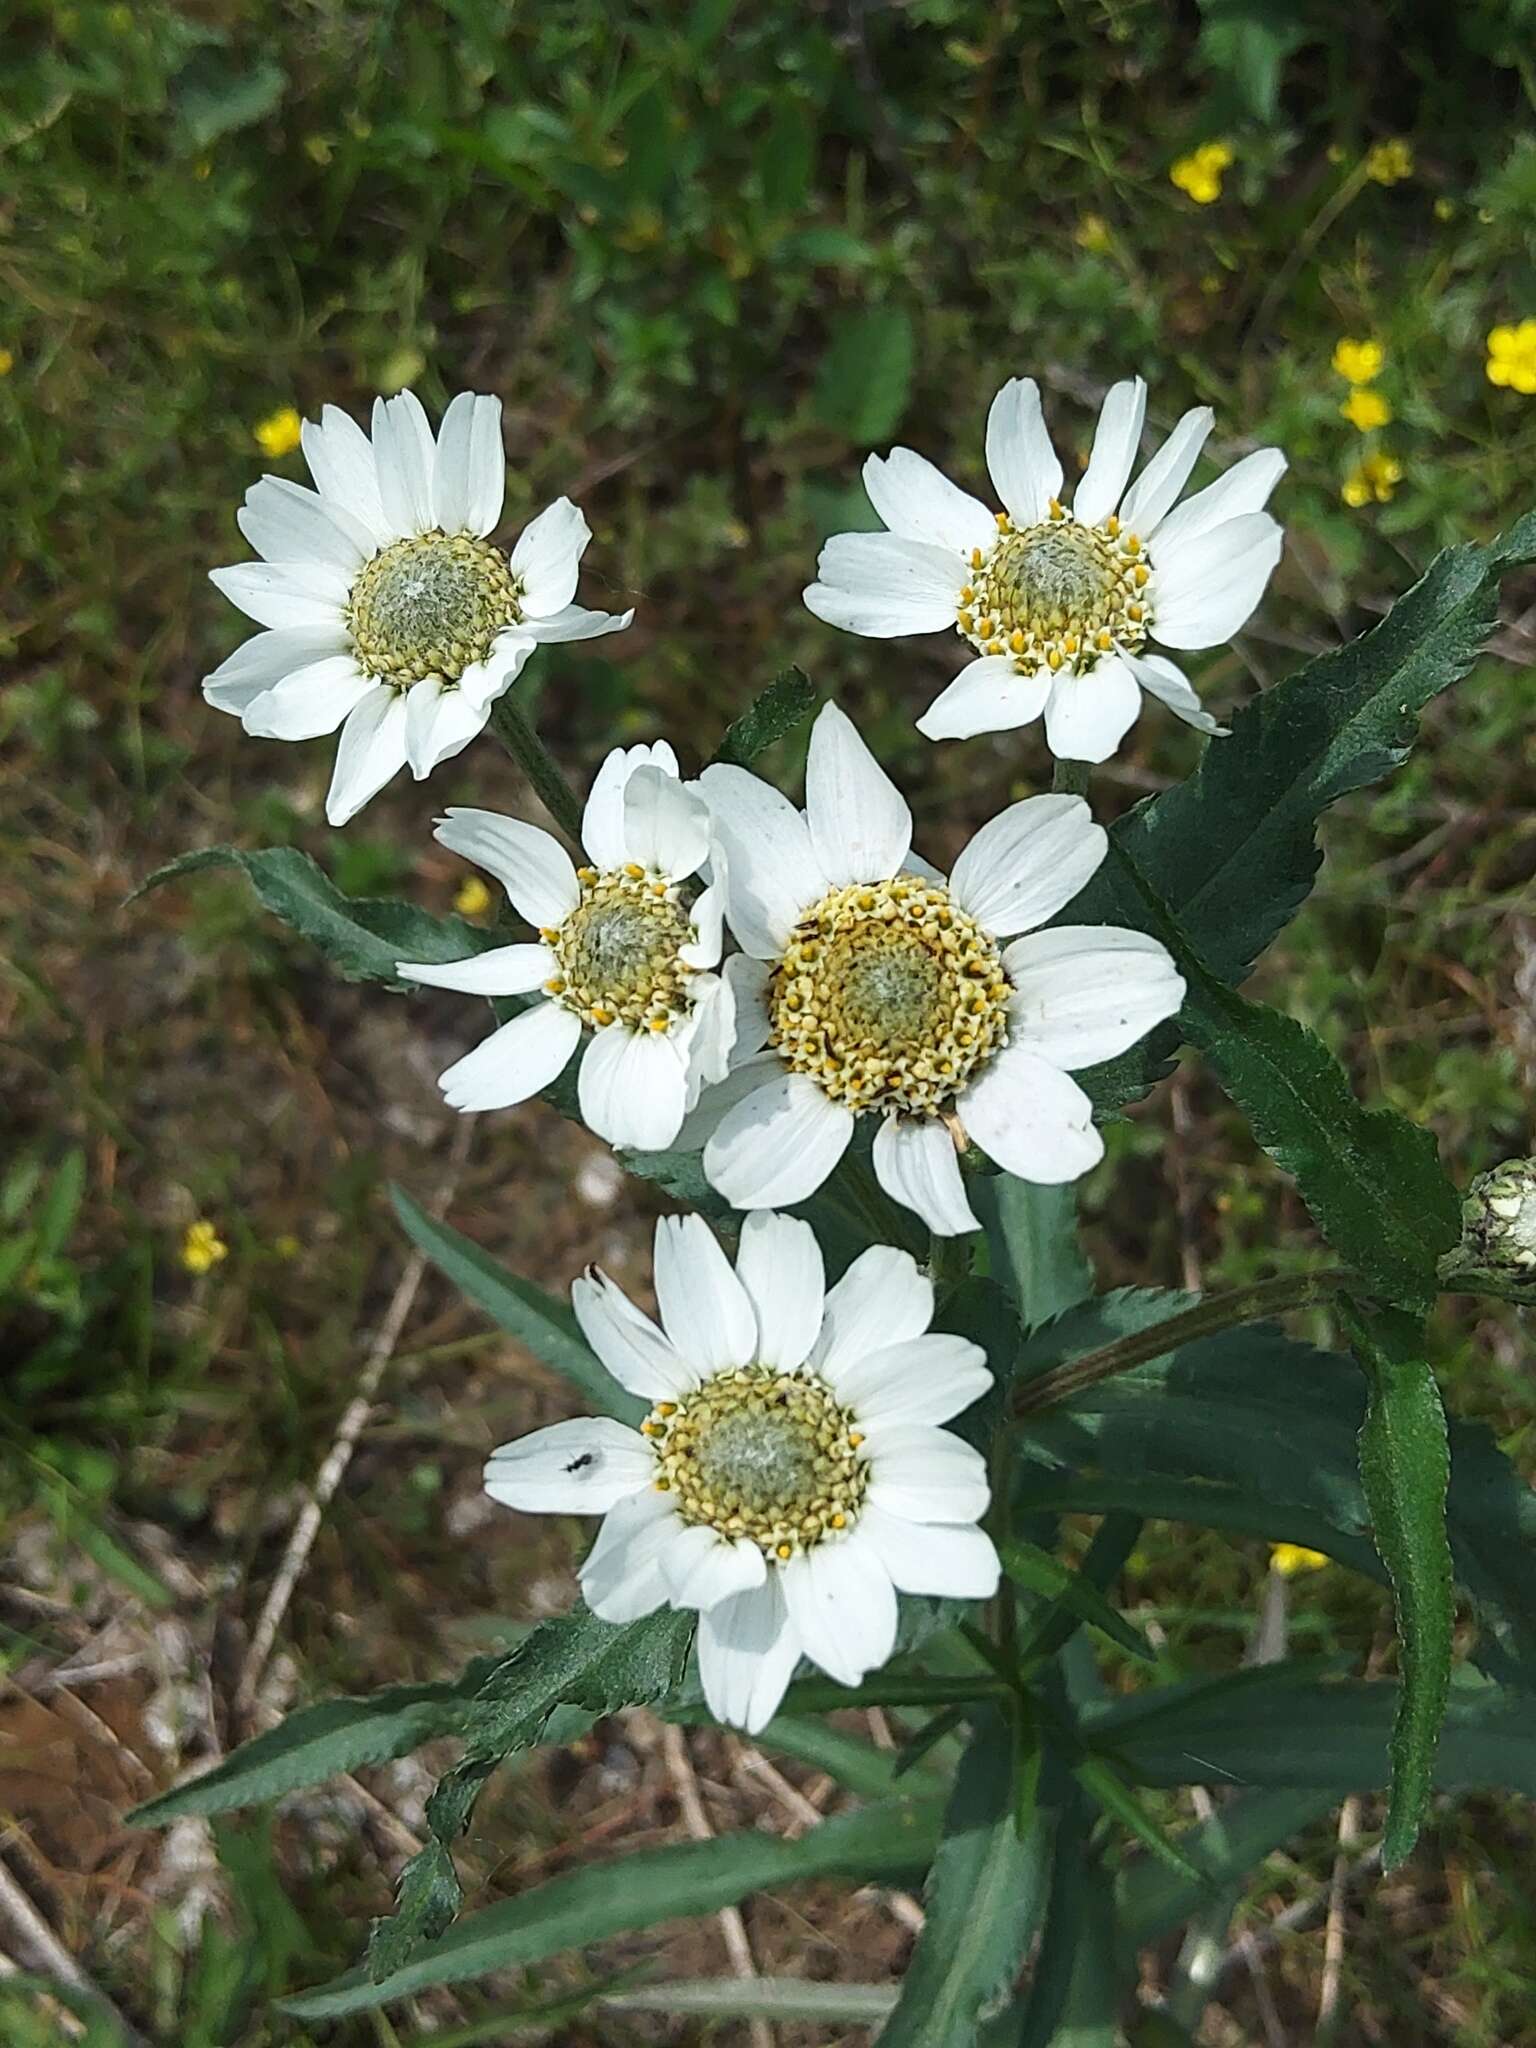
[{"x": 708, "y": 256}]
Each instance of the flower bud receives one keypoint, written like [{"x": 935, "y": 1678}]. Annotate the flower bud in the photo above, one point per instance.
[{"x": 1498, "y": 1221}]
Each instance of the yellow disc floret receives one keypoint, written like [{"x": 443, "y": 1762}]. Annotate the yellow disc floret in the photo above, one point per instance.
[
  {"x": 1057, "y": 595},
  {"x": 889, "y": 996},
  {"x": 761, "y": 1453},
  {"x": 431, "y": 606},
  {"x": 619, "y": 950}
]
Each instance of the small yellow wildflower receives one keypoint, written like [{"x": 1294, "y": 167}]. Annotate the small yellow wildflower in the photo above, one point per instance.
[
  {"x": 1512, "y": 357},
  {"x": 1290, "y": 1558},
  {"x": 1377, "y": 477},
  {"x": 7, "y": 362},
  {"x": 279, "y": 433},
  {"x": 1357, "y": 362},
  {"x": 287, "y": 1246},
  {"x": 202, "y": 1247},
  {"x": 473, "y": 899},
  {"x": 1092, "y": 233},
  {"x": 1366, "y": 409},
  {"x": 1199, "y": 174},
  {"x": 1388, "y": 163}
]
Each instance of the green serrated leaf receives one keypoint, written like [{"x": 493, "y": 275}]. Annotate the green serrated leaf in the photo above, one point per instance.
[
  {"x": 1231, "y": 852},
  {"x": 1077, "y": 1978},
  {"x": 361, "y": 936},
  {"x": 788, "y": 700},
  {"x": 536, "y": 1319},
  {"x": 1105, "y": 1787},
  {"x": 1035, "y": 1248},
  {"x": 1154, "y": 1900},
  {"x": 1405, "y": 1470},
  {"x": 427, "y": 1898},
  {"x": 1248, "y": 42},
  {"x": 887, "y": 1841},
  {"x": 984, "y": 1896},
  {"x": 865, "y": 377},
  {"x": 1037, "y": 1570}
]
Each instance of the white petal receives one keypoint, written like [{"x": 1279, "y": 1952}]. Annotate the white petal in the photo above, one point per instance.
[
  {"x": 405, "y": 454},
  {"x": 1167, "y": 682},
  {"x": 1084, "y": 993},
  {"x": 772, "y": 876},
  {"x": 919, "y": 502},
  {"x": 925, "y": 1474},
  {"x": 916, "y": 1163},
  {"x": 702, "y": 1568},
  {"x": 926, "y": 1379},
  {"x": 748, "y": 979},
  {"x": 622, "y": 1578},
  {"x": 1160, "y": 483},
  {"x": 634, "y": 1350},
  {"x": 502, "y": 971},
  {"x": 286, "y": 522},
  {"x": 1206, "y": 588},
  {"x": 954, "y": 1561},
  {"x": 534, "y": 869},
  {"x": 440, "y": 721},
  {"x": 260, "y": 663},
  {"x": 602, "y": 820},
  {"x": 547, "y": 558},
  {"x": 843, "y": 1607},
  {"x": 516, "y": 1061},
  {"x": 708, "y": 1044},
  {"x": 705, "y": 1310},
  {"x": 707, "y": 916},
  {"x": 988, "y": 695},
  {"x": 666, "y": 827},
  {"x": 484, "y": 681},
  {"x": 340, "y": 458},
  {"x": 470, "y": 469},
  {"x": 1115, "y": 442},
  {"x": 746, "y": 1077},
  {"x": 777, "y": 1146},
  {"x": 371, "y": 749},
  {"x": 859, "y": 823},
  {"x": 779, "y": 1263},
  {"x": 1032, "y": 1119},
  {"x": 572, "y": 1468},
  {"x": 286, "y": 594},
  {"x": 570, "y": 622},
  {"x": 1022, "y": 463},
  {"x": 632, "y": 1088},
  {"x": 748, "y": 1651},
  {"x": 882, "y": 1299},
  {"x": 1087, "y": 716},
  {"x": 882, "y": 586},
  {"x": 1029, "y": 860},
  {"x": 310, "y": 701},
  {"x": 1244, "y": 488}
]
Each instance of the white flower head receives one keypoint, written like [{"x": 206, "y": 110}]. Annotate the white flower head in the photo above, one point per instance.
[
  {"x": 387, "y": 611},
  {"x": 625, "y": 948},
  {"x": 791, "y": 1477},
  {"x": 868, "y": 985},
  {"x": 1060, "y": 604}
]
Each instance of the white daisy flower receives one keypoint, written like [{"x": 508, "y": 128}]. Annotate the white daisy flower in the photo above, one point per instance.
[
  {"x": 791, "y": 1477},
  {"x": 868, "y": 985},
  {"x": 625, "y": 947},
  {"x": 1060, "y": 605},
  {"x": 388, "y": 612}
]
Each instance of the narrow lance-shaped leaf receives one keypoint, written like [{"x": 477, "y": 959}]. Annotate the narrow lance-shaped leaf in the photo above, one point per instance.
[
  {"x": 1405, "y": 1470},
  {"x": 788, "y": 700},
  {"x": 536, "y": 1319},
  {"x": 1371, "y": 1179},
  {"x": 983, "y": 1900}
]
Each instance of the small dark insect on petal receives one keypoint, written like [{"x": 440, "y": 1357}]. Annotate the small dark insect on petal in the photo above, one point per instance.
[{"x": 580, "y": 1464}]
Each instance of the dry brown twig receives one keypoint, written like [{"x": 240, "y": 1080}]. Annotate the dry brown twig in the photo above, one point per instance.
[
  {"x": 733, "y": 1929},
  {"x": 343, "y": 1444},
  {"x": 37, "y": 1948}
]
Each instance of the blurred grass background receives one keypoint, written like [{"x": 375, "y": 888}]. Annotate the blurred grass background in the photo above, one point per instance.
[{"x": 708, "y": 255}]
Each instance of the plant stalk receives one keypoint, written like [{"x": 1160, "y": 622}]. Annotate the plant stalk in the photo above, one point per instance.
[
  {"x": 1071, "y": 778},
  {"x": 1205, "y": 1319},
  {"x": 513, "y": 727}
]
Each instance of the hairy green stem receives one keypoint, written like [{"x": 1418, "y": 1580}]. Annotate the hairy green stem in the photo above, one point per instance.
[
  {"x": 1205, "y": 1319},
  {"x": 1071, "y": 778},
  {"x": 513, "y": 727}
]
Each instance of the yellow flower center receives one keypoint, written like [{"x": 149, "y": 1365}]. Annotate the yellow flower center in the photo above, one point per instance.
[
  {"x": 761, "y": 1453},
  {"x": 431, "y": 606},
  {"x": 1057, "y": 595},
  {"x": 619, "y": 950},
  {"x": 889, "y": 996}
]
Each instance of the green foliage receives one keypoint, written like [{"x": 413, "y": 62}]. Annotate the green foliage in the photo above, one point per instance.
[
  {"x": 1405, "y": 1470},
  {"x": 983, "y": 1901},
  {"x": 865, "y": 377},
  {"x": 787, "y": 702}
]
